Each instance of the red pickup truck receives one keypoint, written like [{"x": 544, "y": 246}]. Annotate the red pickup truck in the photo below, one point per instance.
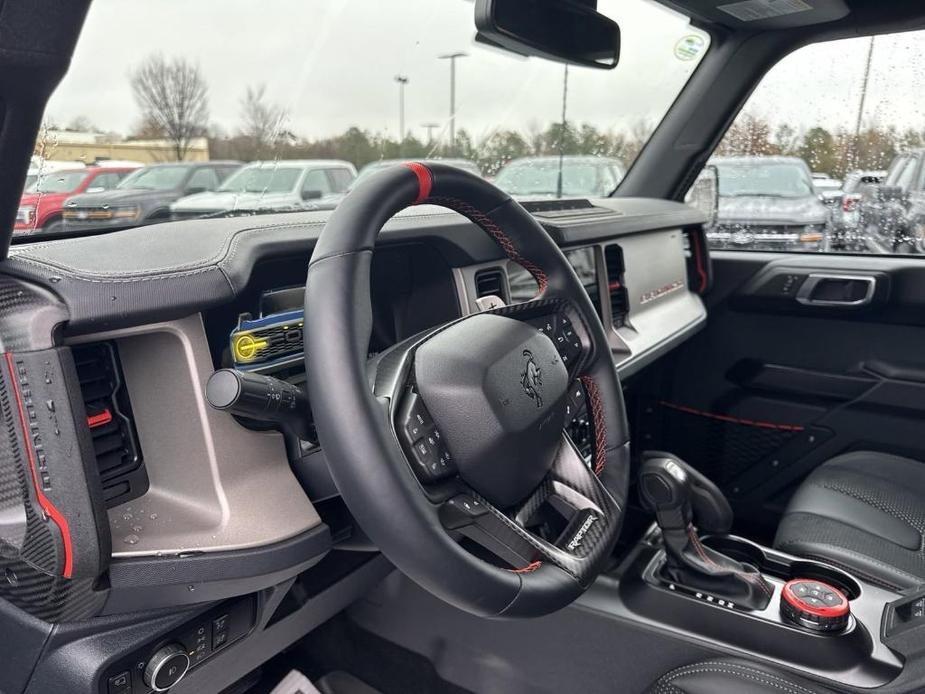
[{"x": 41, "y": 204}]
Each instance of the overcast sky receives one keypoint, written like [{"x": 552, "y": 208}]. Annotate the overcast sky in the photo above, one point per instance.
[{"x": 332, "y": 64}]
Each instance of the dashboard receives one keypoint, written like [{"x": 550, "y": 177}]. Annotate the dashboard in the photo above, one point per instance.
[{"x": 194, "y": 507}]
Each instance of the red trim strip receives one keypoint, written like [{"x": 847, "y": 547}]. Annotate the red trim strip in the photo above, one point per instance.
[
  {"x": 731, "y": 419},
  {"x": 698, "y": 261},
  {"x": 529, "y": 568},
  {"x": 838, "y": 610},
  {"x": 44, "y": 502},
  {"x": 98, "y": 420},
  {"x": 425, "y": 180}
]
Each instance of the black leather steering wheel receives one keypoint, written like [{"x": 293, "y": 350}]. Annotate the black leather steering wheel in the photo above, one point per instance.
[{"x": 449, "y": 448}]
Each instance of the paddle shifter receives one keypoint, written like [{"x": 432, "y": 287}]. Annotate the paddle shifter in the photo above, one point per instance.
[{"x": 681, "y": 498}]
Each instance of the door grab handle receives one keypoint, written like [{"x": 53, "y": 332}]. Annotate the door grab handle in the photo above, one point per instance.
[{"x": 816, "y": 280}]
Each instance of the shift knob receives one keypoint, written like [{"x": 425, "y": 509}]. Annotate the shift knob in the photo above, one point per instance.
[
  {"x": 665, "y": 488},
  {"x": 711, "y": 510}
]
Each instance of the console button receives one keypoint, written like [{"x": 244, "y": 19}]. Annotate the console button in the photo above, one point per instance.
[
  {"x": 166, "y": 667},
  {"x": 120, "y": 684}
]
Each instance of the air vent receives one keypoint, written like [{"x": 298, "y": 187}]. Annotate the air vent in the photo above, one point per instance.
[
  {"x": 490, "y": 283},
  {"x": 109, "y": 418},
  {"x": 619, "y": 299}
]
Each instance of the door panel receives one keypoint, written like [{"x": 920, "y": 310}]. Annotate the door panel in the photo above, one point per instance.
[{"x": 774, "y": 386}]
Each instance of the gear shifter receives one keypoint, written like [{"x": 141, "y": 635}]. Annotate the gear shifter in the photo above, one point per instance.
[{"x": 680, "y": 497}]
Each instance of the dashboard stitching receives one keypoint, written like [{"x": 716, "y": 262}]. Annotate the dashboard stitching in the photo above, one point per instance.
[
  {"x": 341, "y": 254},
  {"x": 229, "y": 243},
  {"x": 120, "y": 278}
]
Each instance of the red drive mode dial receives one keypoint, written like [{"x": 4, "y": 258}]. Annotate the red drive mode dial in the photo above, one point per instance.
[{"x": 814, "y": 605}]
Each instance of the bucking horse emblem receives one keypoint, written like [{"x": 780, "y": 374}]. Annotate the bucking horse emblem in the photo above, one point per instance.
[{"x": 532, "y": 378}]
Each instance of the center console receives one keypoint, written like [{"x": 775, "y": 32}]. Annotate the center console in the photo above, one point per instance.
[{"x": 759, "y": 602}]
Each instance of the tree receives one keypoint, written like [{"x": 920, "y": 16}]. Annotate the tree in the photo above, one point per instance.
[
  {"x": 786, "y": 139},
  {"x": 173, "y": 98},
  {"x": 818, "y": 150},
  {"x": 81, "y": 124},
  {"x": 749, "y": 136},
  {"x": 498, "y": 149},
  {"x": 262, "y": 121}
]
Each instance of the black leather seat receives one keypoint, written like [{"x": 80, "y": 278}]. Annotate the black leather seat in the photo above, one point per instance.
[
  {"x": 864, "y": 512},
  {"x": 730, "y": 676}
]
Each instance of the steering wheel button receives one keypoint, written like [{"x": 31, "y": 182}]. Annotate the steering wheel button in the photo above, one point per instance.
[
  {"x": 547, "y": 325},
  {"x": 415, "y": 420},
  {"x": 461, "y": 510},
  {"x": 423, "y": 453}
]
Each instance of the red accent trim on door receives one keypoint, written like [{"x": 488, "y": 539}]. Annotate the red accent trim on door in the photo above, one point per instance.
[
  {"x": 731, "y": 419},
  {"x": 698, "y": 261}
]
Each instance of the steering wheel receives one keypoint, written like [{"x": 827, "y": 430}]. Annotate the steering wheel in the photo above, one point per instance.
[{"x": 449, "y": 448}]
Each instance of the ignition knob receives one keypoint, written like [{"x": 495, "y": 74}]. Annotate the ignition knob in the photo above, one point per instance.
[
  {"x": 166, "y": 667},
  {"x": 814, "y": 605}
]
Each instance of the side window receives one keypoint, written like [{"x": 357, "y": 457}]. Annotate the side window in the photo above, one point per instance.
[
  {"x": 316, "y": 184},
  {"x": 203, "y": 179},
  {"x": 826, "y": 155},
  {"x": 105, "y": 181},
  {"x": 340, "y": 179},
  {"x": 225, "y": 171},
  {"x": 896, "y": 171},
  {"x": 905, "y": 178}
]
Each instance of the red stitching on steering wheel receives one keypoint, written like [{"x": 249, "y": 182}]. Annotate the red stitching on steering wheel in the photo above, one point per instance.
[
  {"x": 529, "y": 568},
  {"x": 493, "y": 230},
  {"x": 600, "y": 428}
]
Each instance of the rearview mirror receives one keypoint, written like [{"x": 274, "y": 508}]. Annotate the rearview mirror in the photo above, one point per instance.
[
  {"x": 311, "y": 194},
  {"x": 570, "y": 31},
  {"x": 194, "y": 190}
]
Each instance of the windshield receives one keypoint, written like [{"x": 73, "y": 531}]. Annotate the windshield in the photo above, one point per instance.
[
  {"x": 538, "y": 177},
  {"x": 58, "y": 182},
  {"x": 782, "y": 180},
  {"x": 155, "y": 178},
  {"x": 262, "y": 180},
  {"x": 408, "y": 82}
]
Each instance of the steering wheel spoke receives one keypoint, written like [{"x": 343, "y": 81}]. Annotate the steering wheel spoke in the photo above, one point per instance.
[{"x": 565, "y": 521}]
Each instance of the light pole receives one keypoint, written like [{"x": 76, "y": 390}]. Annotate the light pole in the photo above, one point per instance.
[
  {"x": 430, "y": 127},
  {"x": 863, "y": 100},
  {"x": 452, "y": 58},
  {"x": 562, "y": 133},
  {"x": 402, "y": 81}
]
